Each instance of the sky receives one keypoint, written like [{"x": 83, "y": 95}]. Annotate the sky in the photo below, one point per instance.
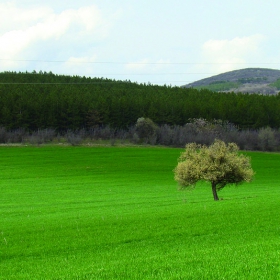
[{"x": 164, "y": 42}]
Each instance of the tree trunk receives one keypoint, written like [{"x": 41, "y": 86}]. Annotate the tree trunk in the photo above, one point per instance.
[{"x": 214, "y": 191}]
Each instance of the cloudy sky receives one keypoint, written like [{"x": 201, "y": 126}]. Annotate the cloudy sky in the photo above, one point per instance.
[{"x": 171, "y": 42}]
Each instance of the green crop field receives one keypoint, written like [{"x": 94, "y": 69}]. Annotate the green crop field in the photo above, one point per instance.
[{"x": 116, "y": 213}]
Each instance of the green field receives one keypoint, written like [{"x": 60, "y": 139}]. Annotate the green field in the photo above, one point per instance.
[{"x": 116, "y": 213}]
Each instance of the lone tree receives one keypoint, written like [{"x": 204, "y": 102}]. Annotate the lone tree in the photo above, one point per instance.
[{"x": 220, "y": 164}]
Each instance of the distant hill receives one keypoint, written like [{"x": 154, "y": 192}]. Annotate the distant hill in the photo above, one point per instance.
[{"x": 249, "y": 80}]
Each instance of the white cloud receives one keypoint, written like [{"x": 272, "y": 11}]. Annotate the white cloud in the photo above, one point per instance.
[
  {"x": 225, "y": 55},
  {"x": 40, "y": 30},
  {"x": 13, "y": 17}
]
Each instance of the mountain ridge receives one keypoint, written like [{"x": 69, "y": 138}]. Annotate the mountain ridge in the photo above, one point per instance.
[{"x": 248, "y": 80}]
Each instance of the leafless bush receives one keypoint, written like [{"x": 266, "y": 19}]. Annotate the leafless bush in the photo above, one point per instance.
[
  {"x": 41, "y": 136},
  {"x": 165, "y": 135},
  {"x": 14, "y": 136},
  {"x": 122, "y": 135},
  {"x": 73, "y": 137},
  {"x": 135, "y": 139},
  {"x": 3, "y": 135},
  {"x": 247, "y": 140},
  {"x": 230, "y": 136},
  {"x": 199, "y": 131},
  {"x": 267, "y": 140},
  {"x": 104, "y": 133}
]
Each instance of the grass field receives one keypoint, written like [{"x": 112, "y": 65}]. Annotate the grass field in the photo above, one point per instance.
[{"x": 116, "y": 213}]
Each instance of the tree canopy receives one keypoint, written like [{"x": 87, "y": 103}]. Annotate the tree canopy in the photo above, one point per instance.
[
  {"x": 44, "y": 100},
  {"x": 220, "y": 164}
]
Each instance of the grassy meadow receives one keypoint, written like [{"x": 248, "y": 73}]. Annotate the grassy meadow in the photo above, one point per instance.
[{"x": 116, "y": 213}]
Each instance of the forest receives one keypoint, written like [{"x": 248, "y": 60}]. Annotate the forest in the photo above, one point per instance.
[{"x": 41, "y": 100}]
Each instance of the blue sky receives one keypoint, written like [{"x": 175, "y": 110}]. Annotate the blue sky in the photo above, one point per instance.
[{"x": 160, "y": 42}]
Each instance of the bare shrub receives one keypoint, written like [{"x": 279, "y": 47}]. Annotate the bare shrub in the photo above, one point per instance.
[
  {"x": 152, "y": 140},
  {"x": 17, "y": 136},
  {"x": 230, "y": 136},
  {"x": 248, "y": 140},
  {"x": 3, "y": 135},
  {"x": 73, "y": 138},
  {"x": 41, "y": 136},
  {"x": 122, "y": 135},
  {"x": 267, "y": 141},
  {"x": 107, "y": 133},
  {"x": 165, "y": 135},
  {"x": 206, "y": 138},
  {"x": 198, "y": 131},
  {"x": 135, "y": 138}
]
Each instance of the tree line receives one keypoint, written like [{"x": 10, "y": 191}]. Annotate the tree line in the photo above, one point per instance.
[{"x": 34, "y": 101}]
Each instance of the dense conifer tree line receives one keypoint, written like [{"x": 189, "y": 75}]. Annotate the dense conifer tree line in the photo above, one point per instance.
[{"x": 43, "y": 100}]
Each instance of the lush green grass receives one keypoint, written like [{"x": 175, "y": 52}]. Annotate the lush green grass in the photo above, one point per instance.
[{"x": 116, "y": 213}]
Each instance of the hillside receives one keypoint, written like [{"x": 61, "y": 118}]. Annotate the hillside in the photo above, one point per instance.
[
  {"x": 249, "y": 80},
  {"x": 34, "y": 101}
]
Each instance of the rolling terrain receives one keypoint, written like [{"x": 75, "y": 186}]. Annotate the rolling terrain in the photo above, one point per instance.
[{"x": 249, "y": 80}]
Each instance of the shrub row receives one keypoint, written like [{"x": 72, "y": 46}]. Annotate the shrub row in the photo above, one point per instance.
[{"x": 264, "y": 139}]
